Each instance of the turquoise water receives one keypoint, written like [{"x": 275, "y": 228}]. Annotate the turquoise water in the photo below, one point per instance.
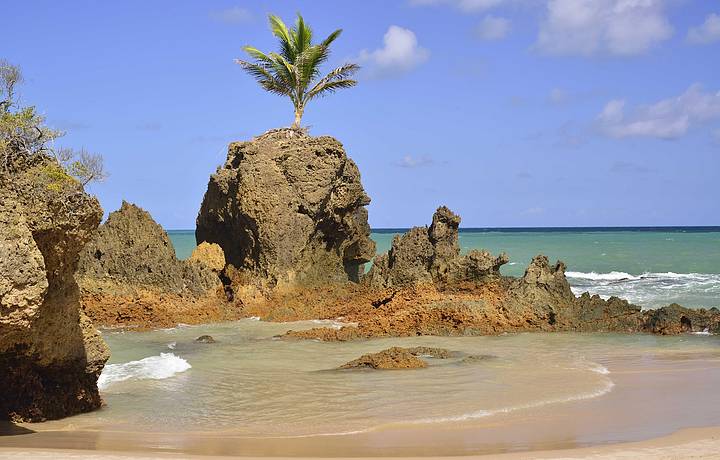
[{"x": 650, "y": 267}]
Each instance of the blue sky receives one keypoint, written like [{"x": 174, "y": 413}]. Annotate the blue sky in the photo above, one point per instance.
[{"x": 511, "y": 112}]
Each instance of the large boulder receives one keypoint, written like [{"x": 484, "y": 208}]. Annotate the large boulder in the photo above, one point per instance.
[
  {"x": 432, "y": 255},
  {"x": 50, "y": 353},
  {"x": 290, "y": 209}
]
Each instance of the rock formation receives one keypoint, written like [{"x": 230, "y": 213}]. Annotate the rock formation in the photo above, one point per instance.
[
  {"x": 392, "y": 358},
  {"x": 50, "y": 353},
  {"x": 289, "y": 209},
  {"x": 432, "y": 254},
  {"x": 129, "y": 275},
  {"x": 423, "y": 286}
]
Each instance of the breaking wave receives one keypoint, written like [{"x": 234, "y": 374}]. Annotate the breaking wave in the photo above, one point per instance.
[
  {"x": 153, "y": 367},
  {"x": 651, "y": 290}
]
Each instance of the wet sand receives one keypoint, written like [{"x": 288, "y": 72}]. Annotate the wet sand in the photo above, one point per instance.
[
  {"x": 696, "y": 443},
  {"x": 653, "y": 409}
]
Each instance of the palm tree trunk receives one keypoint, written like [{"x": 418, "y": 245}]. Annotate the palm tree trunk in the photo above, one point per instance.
[{"x": 298, "y": 116}]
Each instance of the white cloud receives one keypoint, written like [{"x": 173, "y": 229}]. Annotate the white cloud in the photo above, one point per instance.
[
  {"x": 559, "y": 96},
  {"x": 667, "y": 119},
  {"x": 493, "y": 28},
  {"x": 409, "y": 161},
  {"x": 234, "y": 15},
  {"x": 469, "y": 6},
  {"x": 616, "y": 27},
  {"x": 706, "y": 33},
  {"x": 399, "y": 53}
]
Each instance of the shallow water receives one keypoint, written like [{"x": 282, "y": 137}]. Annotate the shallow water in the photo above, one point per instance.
[
  {"x": 651, "y": 268},
  {"x": 255, "y": 385}
]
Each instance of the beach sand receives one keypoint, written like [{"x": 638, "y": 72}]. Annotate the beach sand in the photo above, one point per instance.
[{"x": 695, "y": 443}]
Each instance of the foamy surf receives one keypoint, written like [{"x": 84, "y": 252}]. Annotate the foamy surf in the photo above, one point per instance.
[
  {"x": 159, "y": 367},
  {"x": 651, "y": 290}
]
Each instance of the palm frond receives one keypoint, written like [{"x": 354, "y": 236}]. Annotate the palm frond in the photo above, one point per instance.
[
  {"x": 331, "y": 38},
  {"x": 280, "y": 30},
  {"x": 329, "y": 87},
  {"x": 302, "y": 35},
  {"x": 266, "y": 79}
]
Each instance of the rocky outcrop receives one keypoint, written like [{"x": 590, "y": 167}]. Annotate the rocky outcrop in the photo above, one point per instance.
[
  {"x": 289, "y": 209},
  {"x": 129, "y": 275},
  {"x": 392, "y": 358},
  {"x": 419, "y": 289},
  {"x": 432, "y": 255},
  {"x": 50, "y": 353}
]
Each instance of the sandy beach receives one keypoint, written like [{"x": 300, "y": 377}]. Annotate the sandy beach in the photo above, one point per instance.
[{"x": 695, "y": 443}]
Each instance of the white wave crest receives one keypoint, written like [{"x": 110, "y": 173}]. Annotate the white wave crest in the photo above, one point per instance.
[
  {"x": 612, "y": 276},
  {"x": 153, "y": 367}
]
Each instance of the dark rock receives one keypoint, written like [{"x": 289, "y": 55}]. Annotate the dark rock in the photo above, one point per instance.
[
  {"x": 289, "y": 210},
  {"x": 205, "y": 339}
]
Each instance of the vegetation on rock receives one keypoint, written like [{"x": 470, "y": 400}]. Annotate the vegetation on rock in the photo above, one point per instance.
[{"x": 295, "y": 71}]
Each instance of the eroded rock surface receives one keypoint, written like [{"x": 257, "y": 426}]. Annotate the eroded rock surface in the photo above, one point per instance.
[
  {"x": 417, "y": 289},
  {"x": 289, "y": 209},
  {"x": 392, "y": 358},
  {"x": 432, "y": 255},
  {"x": 50, "y": 353},
  {"x": 129, "y": 275}
]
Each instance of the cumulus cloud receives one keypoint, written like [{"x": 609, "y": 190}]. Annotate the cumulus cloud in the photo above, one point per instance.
[
  {"x": 667, "y": 119},
  {"x": 409, "y": 161},
  {"x": 493, "y": 28},
  {"x": 707, "y": 32},
  {"x": 615, "y": 27},
  {"x": 400, "y": 53},
  {"x": 234, "y": 15},
  {"x": 469, "y": 6}
]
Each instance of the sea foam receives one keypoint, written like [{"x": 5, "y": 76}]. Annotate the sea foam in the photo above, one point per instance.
[{"x": 153, "y": 367}]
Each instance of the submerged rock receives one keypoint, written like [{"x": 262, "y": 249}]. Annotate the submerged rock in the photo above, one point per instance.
[
  {"x": 50, "y": 353},
  {"x": 432, "y": 255},
  {"x": 288, "y": 209},
  {"x": 392, "y": 358},
  {"x": 205, "y": 339}
]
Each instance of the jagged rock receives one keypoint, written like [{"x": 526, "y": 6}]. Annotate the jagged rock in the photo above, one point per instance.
[
  {"x": 205, "y": 339},
  {"x": 392, "y": 358},
  {"x": 432, "y": 254},
  {"x": 129, "y": 275},
  {"x": 210, "y": 255},
  {"x": 675, "y": 319},
  {"x": 289, "y": 209},
  {"x": 133, "y": 250},
  {"x": 50, "y": 353}
]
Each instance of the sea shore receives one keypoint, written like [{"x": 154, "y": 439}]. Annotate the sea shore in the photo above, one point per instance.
[
  {"x": 670, "y": 409},
  {"x": 693, "y": 443}
]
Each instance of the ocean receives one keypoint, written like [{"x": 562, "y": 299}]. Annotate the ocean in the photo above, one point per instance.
[{"x": 651, "y": 267}]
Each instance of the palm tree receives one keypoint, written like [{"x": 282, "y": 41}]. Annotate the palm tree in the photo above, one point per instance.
[{"x": 295, "y": 70}]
